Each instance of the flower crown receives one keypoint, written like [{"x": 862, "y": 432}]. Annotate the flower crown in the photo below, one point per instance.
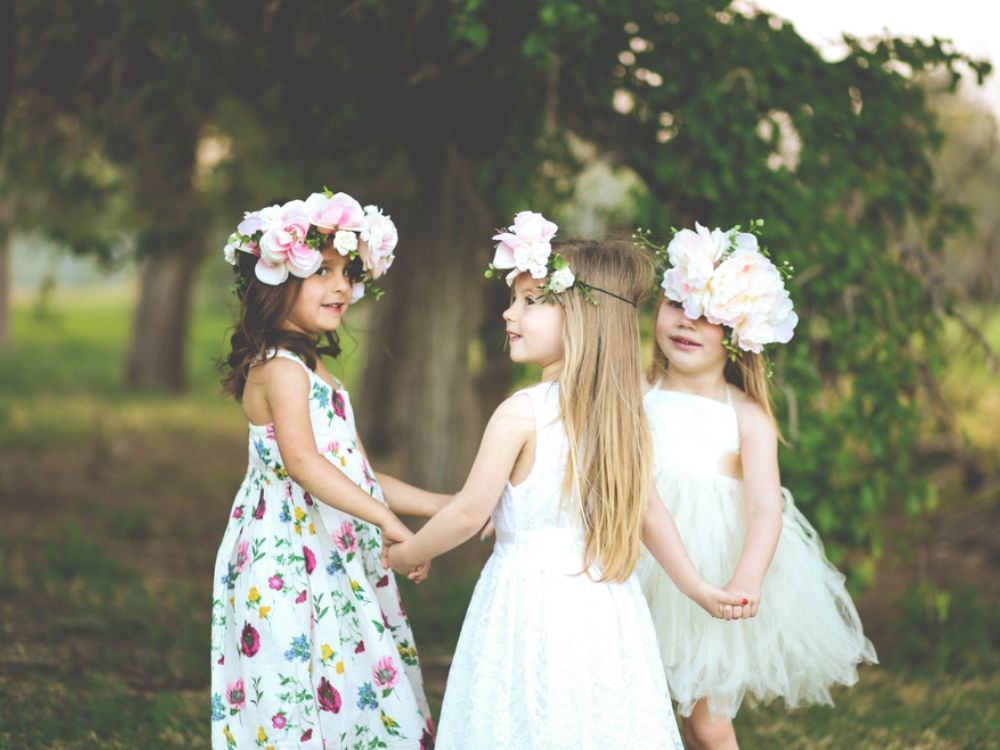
[
  {"x": 526, "y": 247},
  {"x": 727, "y": 278},
  {"x": 289, "y": 238}
]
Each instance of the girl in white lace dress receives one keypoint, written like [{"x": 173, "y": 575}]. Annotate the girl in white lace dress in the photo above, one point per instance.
[
  {"x": 310, "y": 646},
  {"x": 557, "y": 650},
  {"x": 716, "y": 469}
]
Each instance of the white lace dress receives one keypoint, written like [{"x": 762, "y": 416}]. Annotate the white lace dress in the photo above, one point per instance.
[
  {"x": 547, "y": 658},
  {"x": 807, "y": 634}
]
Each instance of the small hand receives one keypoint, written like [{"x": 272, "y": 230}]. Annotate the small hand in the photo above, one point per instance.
[
  {"x": 419, "y": 574},
  {"x": 487, "y": 530}
]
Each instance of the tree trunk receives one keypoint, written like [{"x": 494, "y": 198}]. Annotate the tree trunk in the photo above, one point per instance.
[
  {"x": 156, "y": 357},
  {"x": 420, "y": 397}
]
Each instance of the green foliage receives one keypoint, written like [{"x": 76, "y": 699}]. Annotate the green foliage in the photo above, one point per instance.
[{"x": 946, "y": 631}]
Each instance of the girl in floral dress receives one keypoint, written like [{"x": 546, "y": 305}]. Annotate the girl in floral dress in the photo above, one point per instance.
[
  {"x": 557, "y": 651},
  {"x": 716, "y": 468},
  {"x": 310, "y": 644}
]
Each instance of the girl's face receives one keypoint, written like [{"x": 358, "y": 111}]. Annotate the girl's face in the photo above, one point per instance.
[
  {"x": 691, "y": 346},
  {"x": 534, "y": 328},
  {"x": 323, "y": 297}
]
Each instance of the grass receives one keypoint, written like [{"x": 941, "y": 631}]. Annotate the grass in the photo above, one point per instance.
[{"x": 113, "y": 505}]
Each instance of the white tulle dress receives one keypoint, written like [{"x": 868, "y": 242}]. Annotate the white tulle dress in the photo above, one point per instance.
[
  {"x": 548, "y": 659},
  {"x": 806, "y": 636}
]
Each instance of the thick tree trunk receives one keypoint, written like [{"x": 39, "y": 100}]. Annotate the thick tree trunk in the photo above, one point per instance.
[
  {"x": 425, "y": 379},
  {"x": 156, "y": 357}
]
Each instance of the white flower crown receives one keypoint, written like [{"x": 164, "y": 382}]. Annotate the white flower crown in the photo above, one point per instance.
[{"x": 727, "y": 277}]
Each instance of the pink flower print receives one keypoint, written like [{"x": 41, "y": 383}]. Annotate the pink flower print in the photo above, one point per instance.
[
  {"x": 243, "y": 556},
  {"x": 270, "y": 431},
  {"x": 258, "y": 512},
  {"x": 249, "y": 640},
  {"x": 276, "y": 582},
  {"x": 235, "y": 695},
  {"x": 328, "y": 697},
  {"x": 346, "y": 541},
  {"x": 382, "y": 582},
  {"x": 306, "y": 736},
  {"x": 338, "y": 405},
  {"x": 301, "y": 597},
  {"x": 278, "y": 721},
  {"x": 427, "y": 736},
  {"x": 238, "y": 512},
  {"x": 308, "y": 498},
  {"x": 385, "y": 620},
  {"x": 310, "y": 560},
  {"x": 385, "y": 673},
  {"x": 360, "y": 648},
  {"x": 333, "y": 447}
]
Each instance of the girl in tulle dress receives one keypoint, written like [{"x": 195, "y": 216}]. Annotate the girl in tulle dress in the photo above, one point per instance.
[
  {"x": 715, "y": 467},
  {"x": 557, "y": 651},
  {"x": 311, "y": 648}
]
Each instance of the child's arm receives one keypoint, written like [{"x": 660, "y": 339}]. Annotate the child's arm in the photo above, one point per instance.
[
  {"x": 286, "y": 390},
  {"x": 510, "y": 427},
  {"x": 660, "y": 535},
  {"x": 407, "y": 499},
  {"x": 762, "y": 490}
]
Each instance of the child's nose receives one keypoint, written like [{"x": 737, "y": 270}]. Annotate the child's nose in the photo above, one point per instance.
[{"x": 508, "y": 314}]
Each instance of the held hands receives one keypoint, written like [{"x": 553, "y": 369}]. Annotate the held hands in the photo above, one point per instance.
[
  {"x": 724, "y": 604},
  {"x": 392, "y": 557},
  {"x": 394, "y": 533},
  {"x": 749, "y": 593}
]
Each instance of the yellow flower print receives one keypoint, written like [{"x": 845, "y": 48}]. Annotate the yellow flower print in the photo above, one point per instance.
[
  {"x": 261, "y": 735},
  {"x": 388, "y": 721},
  {"x": 253, "y": 596},
  {"x": 299, "y": 514},
  {"x": 355, "y": 586},
  {"x": 232, "y": 601},
  {"x": 340, "y": 667},
  {"x": 325, "y": 652},
  {"x": 312, "y": 526},
  {"x": 264, "y": 612},
  {"x": 343, "y": 460}
]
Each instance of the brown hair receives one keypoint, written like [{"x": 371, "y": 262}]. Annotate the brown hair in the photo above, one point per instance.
[
  {"x": 263, "y": 310},
  {"x": 600, "y": 400},
  {"x": 748, "y": 372}
]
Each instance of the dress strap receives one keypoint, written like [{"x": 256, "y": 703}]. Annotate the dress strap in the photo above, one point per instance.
[{"x": 729, "y": 396}]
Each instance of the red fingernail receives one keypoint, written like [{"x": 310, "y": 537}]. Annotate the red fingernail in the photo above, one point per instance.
[{"x": 745, "y": 602}]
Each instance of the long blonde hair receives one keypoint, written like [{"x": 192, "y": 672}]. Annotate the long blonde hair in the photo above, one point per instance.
[
  {"x": 748, "y": 372},
  {"x": 600, "y": 400}
]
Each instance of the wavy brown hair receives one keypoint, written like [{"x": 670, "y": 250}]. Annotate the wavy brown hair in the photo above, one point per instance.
[
  {"x": 600, "y": 400},
  {"x": 748, "y": 372},
  {"x": 264, "y": 308}
]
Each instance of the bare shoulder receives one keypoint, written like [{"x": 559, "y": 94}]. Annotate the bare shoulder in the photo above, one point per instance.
[
  {"x": 754, "y": 422},
  {"x": 279, "y": 372},
  {"x": 515, "y": 410}
]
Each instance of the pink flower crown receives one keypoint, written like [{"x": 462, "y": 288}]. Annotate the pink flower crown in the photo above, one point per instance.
[
  {"x": 526, "y": 247},
  {"x": 727, "y": 278},
  {"x": 288, "y": 239}
]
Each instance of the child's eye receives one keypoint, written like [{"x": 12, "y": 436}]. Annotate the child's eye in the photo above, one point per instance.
[
  {"x": 322, "y": 271},
  {"x": 529, "y": 300},
  {"x": 674, "y": 303}
]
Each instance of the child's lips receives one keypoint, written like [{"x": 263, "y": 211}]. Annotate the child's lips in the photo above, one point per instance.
[
  {"x": 512, "y": 337},
  {"x": 337, "y": 307},
  {"x": 683, "y": 342}
]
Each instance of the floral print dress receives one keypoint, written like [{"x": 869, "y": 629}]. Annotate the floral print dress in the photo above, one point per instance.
[{"x": 311, "y": 647}]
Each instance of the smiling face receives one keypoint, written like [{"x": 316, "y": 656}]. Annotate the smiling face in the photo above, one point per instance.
[
  {"x": 691, "y": 346},
  {"x": 534, "y": 327},
  {"x": 323, "y": 297}
]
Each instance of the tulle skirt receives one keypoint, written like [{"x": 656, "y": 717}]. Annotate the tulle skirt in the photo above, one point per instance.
[{"x": 806, "y": 637}]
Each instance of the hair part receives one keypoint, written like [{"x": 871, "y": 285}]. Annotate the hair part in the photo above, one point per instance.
[
  {"x": 264, "y": 308},
  {"x": 600, "y": 399}
]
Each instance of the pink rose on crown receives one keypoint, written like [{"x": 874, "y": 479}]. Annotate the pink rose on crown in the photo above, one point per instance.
[
  {"x": 693, "y": 257},
  {"x": 525, "y": 246},
  {"x": 337, "y": 212},
  {"x": 283, "y": 247}
]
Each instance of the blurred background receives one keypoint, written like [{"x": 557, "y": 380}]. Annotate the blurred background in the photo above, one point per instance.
[{"x": 136, "y": 133}]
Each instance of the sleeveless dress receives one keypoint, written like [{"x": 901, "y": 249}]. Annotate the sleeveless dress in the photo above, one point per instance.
[
  {"x": 311, "y": 647},
  {"x": 548, "y": 659},
  {"x": 807, "y": 634}
]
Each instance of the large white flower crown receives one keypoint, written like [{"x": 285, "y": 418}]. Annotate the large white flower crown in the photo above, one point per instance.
[
  {"x": 526, "y": 247},
  {"x": 727, "y": 277},
  {"x": 288, "y": 239}
]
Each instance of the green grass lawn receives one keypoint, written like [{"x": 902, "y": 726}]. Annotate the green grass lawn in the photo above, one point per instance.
[{"x": 112, "y": 508}]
